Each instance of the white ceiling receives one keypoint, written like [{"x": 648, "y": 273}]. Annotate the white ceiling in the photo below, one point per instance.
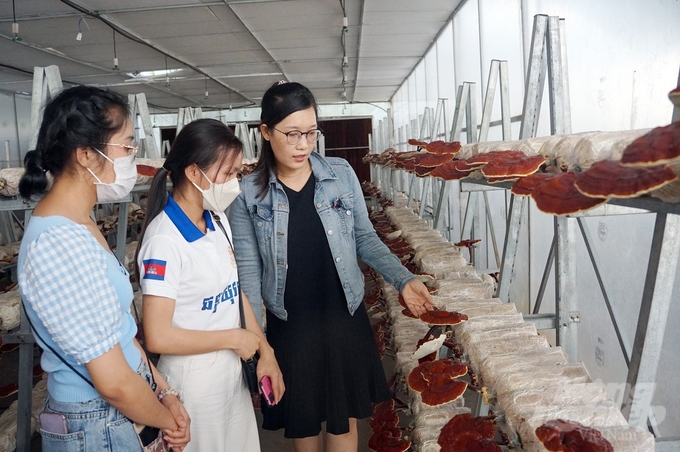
[{"x": 235, "y": 48}]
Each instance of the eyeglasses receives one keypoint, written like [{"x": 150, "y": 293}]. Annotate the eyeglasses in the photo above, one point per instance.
[
  {"x": 294, "y": 136},
  {"x": 130, "y": 149}
]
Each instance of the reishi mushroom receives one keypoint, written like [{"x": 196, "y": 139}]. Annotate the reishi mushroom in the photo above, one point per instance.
[
  {"x": 443, "y": 147},
  {"x": 437, "y": 317},
  {"x": 421, "y": 376},
  {"x": 608, "y": 178},
  {"x": 465, "y": 433},
  {"x": 660, "y": 145},
  {"x": 559, "y": 196},
  {"x": 570, "y": 436},
  {"x": 526, "y": 185},
  {"x": 467, "y": 243},
  {"x": 388, "y": 440},
  {"x": 442, "y": 389},
  {"x": 516, "y": 165},
  {"x": 449, "y": 171}
]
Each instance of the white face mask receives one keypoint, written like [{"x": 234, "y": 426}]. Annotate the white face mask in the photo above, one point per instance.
[
  {"x": 125, "y": 170},
  {"x": 217, "y": 197}
]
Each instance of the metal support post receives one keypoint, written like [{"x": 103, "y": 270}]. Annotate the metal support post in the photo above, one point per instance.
[
  {"x": 243, "y": 134},
  {"x": 565, "y": 286},
  {"x": 497, "y": 67},
  {"x": 187, "y": 114},
  {"x": 560, "y": 120},
  {"x": 512, "y": 231},
  {"x": 546, "y": 275},
  {"x": 547, "y": 55},
  {"x": 492, "y": 230},
  {"x": 147, "y": 145},
  {"x": 46, "y": 85},
  {"x": 439, "y": 119},
  {"x": 651, "y": 326},
  {"x": 25, "y": 378},
  {"x": 533, "y": 92}
]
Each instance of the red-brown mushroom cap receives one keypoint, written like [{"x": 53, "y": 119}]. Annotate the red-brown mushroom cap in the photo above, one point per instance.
[
  {"x": 431, "y": 160},
  {"x": 467, "y": 242},
  {"x": 146, "y": 170},
  {"x": 465, "y": 166},
  {"x": 407, "y": 312},
  {"x": 526, "y": 185},
  {"x": 570, "y": 436},
  {"x": 384, "y": 406},
  {"x": 448, "y": 171},
  {"x": 608, "y": 178},
  {"x": 437, "y": 317},
  {"x": 560, "y": 197},
  {"x": 414, "y": 142},
  {"x": 518, "y": 166},
  {"x": 384, "y": 420},
  {"x": 482, "y": 426},
  {"x": 442, "y": 389},
  {"x": 660, "y": 145},
  {"x": 422, "y": 171},
  {"x": 443, "y": 147},
  {"x": 491, "y": 156},
  {"x": 401, "y": 156},
  {"x": 388, "y": 440},
  {"x": 420, "y": 377}
]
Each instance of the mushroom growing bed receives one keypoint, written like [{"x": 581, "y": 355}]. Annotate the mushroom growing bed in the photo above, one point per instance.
[
  {"x": 564, "y": 174},
  {"x": 526, "y": 381}
]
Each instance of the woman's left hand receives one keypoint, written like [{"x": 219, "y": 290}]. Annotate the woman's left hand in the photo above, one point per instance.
[
  {"x": 267, "y": 365},
  {"x": 177, "y": 439},
  {"x": 417, "y": 297}
]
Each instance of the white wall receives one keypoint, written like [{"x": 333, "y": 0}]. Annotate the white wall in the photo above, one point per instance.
[{"x": 623, "y": 58}]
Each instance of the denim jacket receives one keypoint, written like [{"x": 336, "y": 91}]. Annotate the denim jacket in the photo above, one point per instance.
[{"x": 260, "y": 227}]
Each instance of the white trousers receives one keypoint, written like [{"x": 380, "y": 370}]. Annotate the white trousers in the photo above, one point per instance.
[{"x": 216, "y": 398}]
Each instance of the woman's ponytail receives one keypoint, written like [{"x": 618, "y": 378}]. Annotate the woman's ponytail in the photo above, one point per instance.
[{"x": 34, "y": 180}]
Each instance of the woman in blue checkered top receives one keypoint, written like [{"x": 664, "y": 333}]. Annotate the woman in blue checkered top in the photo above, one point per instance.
[{"x": 77, "y": 294}]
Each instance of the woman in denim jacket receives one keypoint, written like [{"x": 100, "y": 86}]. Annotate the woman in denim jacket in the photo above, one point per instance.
[{"x": 299, "y": 225}]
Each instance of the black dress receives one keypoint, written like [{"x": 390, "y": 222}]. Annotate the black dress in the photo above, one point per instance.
[{"x": 328, "y": 358}]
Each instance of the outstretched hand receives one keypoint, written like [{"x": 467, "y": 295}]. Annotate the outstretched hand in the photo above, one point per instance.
[{"x": 417, "y": 297}]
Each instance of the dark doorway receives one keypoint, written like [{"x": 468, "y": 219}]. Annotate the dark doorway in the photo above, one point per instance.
[{"x": 348, "y": 138}]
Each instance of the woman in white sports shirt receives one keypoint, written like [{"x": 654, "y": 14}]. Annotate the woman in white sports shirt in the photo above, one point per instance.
[{"x": 188, "y": 276}]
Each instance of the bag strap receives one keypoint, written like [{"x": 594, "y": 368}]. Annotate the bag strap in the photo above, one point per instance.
[
  {"x": 87, "y": 380},
  {"x": 58, "y": 355},
  {"x": 216, "y": 219}
]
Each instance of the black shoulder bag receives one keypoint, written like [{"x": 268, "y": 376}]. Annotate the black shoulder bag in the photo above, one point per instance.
[{"x": 249, "y": 366}]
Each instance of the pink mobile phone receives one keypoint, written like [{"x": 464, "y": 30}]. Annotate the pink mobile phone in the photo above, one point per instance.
[
  {"x": 266, "y": 388},
  {"x": 53, "y": 423}
]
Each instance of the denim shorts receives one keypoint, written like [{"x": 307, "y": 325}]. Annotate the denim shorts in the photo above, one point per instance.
[{"x": 92, "y": 426}]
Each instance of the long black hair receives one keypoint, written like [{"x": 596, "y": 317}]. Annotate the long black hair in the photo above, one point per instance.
[
  {"x": 202, "y": 142},
  {"x": 279, "y": 101},
  {"x": 81, "y": 116}
]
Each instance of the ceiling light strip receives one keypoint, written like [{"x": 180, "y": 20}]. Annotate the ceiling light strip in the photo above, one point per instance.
[{"x": 133, "y": 37}]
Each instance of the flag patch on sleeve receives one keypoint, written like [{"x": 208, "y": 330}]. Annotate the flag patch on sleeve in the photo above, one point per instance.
[{"x": 154, "y": 269}]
